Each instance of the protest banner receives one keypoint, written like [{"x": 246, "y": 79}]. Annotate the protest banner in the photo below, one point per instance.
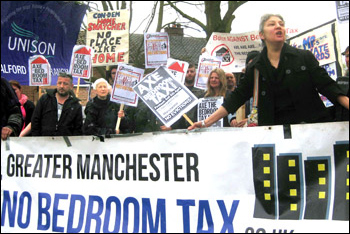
[
  {"x": 235, "y": 180},
  {"x": 178, "y": 68},
  {"x": 167, "y": 98},
  {"x": 39, "y": 71},
  {"x": 233, "y": 48},
  {"x": 342, "y": 8},
  {"x": 205, "y": 66},
  {"x": 157, "y": 49},
  {"x": 323, "y": 42},
  {"x": 207, "y": 106},
  {"x": 31, "y": 28},
  {"x": 108, "y": 34}
]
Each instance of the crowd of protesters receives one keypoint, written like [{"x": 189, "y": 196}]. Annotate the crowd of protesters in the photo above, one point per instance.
[{"x": 289, "y": 83}]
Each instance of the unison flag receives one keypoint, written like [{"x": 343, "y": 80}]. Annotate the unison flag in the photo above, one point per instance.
[{"x": 47, "y": 28}]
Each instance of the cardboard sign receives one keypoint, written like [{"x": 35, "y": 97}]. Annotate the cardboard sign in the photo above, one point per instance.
[
  {"x": 80, "y": 65},
  {"x": 126, "y": 78},
  {"x": 178, "y": 68},
  {"x": 108, "y": 34},
  {"x": 205, "y": 66},
  {"x": 39, "y": 71},
  {"x": 157, "y": 49},
  {"x": 167, "y": 98},
  {"x": 207, "y": 106}
]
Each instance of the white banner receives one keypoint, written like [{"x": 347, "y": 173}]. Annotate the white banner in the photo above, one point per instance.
[
  {"x": 108, "y": 34},
  {"x": 233, "y": 48},
  {"x": 243, "y": 180}
]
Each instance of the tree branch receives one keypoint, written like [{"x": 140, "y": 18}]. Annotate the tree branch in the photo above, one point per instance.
[{"x": 194, "y": 20}]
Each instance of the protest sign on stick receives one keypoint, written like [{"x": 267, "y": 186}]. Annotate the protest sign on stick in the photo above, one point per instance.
[
  {"x": 81, "y": 62},
  {"x": 157, "y": 49},
  {"x": 126, "y": 77},
  {"x": 207, "y": 106},
  {"x": 178, "y": 68},
  {"x": 205, "y": 65},
  {"x": 167, "y": 98},
  {"x": 39, "y": 71}
]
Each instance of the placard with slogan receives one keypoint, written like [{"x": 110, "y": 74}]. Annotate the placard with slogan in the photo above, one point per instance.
[
  {"x": 207, "y": 106},
  {"x": 126, "y": 78},
  {"x": 80, "y": 65},
  {"x": 157, "y": 49},
  {"x": 178, "y": 68},
  {"x": 205, "y": 65},
  {"x": 167, "y": 98},
  {"x": 233, "y": 48},
  {"x": 39, "y": 71},
  {"x": 108, "y": 34},
  {"x": 323, "y": 42}
]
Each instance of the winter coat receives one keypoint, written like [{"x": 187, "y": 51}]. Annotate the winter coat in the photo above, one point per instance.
[
  {"x": 101, "y": 118},
  {"x": 304, "y": 79},
  {"x": 44, "y": 119},
  {"x": 11, "y": 115}
]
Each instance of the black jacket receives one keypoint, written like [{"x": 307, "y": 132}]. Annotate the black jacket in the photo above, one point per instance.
[
  {"x": 44, "y": 119},
  {"x": 101, "y": 118},
  {"x": 11, "y": 115},
  {"x": 304, "y": 77}
]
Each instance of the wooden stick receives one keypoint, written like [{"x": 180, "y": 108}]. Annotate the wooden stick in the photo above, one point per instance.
[
  {"x": 77, "y": 93},
  {"x": 119, "y": 119},
  {"x": 188, "y": 119}
]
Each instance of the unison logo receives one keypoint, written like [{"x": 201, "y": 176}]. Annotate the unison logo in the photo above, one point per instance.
[{"x": 29, "y": 42}]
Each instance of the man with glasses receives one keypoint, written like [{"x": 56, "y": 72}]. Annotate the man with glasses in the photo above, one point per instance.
[{"x": 58, "y": 112}]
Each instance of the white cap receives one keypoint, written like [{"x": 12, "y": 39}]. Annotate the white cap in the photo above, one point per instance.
[{"x": 94, "y": 86}]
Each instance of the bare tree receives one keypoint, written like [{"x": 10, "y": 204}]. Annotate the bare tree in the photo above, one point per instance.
[{"x": 213, "y": 15}]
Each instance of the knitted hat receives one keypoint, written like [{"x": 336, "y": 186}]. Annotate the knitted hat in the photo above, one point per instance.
[{"x": 94, "y": 86}]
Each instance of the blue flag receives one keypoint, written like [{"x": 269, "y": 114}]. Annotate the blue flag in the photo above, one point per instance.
[{"x": 48, "y": 28}]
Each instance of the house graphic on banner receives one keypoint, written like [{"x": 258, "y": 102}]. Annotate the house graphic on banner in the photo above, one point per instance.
[{"x": 225, "y": 54}]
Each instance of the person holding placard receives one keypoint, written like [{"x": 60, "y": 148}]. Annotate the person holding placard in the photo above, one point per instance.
[
  {"x": 102, "y": 114},
  {"x": 217, "y": 87},
  {"x": 286, "y": 82},
  {"x": 58, "y": 112}
]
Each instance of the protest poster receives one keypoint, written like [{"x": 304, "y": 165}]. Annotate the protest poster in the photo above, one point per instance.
[
  {"x": 108, "y": 34},
  {"x": 233, "y": 48},
  {"x": 47, "y": 28},
  {"x": 222, "y": 180},
  {"x": 157, "y": 49},
  {"x": 205, "y": 66},
  {"x": 323, "y": 42},
  {"x": 80, "y": 65},
  {"x": 342, "y": 8},
  {"x": 178, "y": 68},
  {"x": 167, "y": 98},
  {"x": 126, "y": 77},
  {"x": 207, "y": 106},
  {"x": 39, "y": 71}
]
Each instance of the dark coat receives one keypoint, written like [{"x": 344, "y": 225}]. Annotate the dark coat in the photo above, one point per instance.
[
  {"x": 101, "y": 118},
  {"x": 29, "y": 107},
  {"x": 304, "y": 78},
  {"x": 44, "y": 120},
  {"x": 11, "y": 115}
]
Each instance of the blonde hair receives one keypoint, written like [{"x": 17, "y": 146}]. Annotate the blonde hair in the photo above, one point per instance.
[{"x": 223, "y": 84}]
